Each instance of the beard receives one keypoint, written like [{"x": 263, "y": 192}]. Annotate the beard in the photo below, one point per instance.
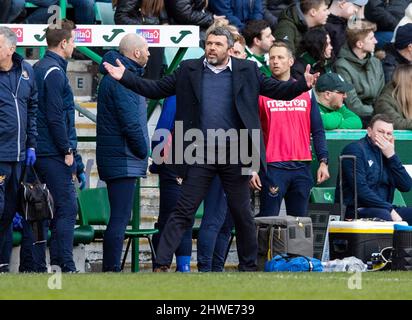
[{"x": 214, "y": 61}]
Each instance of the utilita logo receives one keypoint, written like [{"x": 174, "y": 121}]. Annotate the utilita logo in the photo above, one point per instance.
[
  {"x": 151, "y": 35},
  {"x": 19, "y": 33},
  {"x": 83, "y": 36}
]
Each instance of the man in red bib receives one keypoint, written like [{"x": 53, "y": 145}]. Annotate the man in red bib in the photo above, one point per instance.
[{"x": 287, "y": 129}]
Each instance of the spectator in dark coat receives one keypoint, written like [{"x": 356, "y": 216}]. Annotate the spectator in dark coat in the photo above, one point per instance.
[
  {"x": 272, "y": 10},
  {"x": 122, "y": 143},
  {"x": 5, "y": 7},
  {"x": 192, "y": 12},
  {"x": 296, "y": 19},
  {"x": 144, "y": 12},
  {"x": 386, "y": 14},
  {"x": 399, "y": 52},
  {"x": 340, "y": 12},
  {"x": 12, "y": 9},
  {"x": 238, "y": 12}
]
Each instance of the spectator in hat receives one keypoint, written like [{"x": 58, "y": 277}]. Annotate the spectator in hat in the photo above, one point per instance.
[
  {"x": 331, "y": 90},
  {"x": 399, "y": 52},
  {"x": 341, "y": 11},
  {"x": 407, "y": 18}
]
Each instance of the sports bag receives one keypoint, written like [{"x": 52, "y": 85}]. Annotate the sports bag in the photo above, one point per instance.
[
  {"x": 293, "y": 263},
  {"x": 36, "y": 201},
  {"x": 35, "y": 204}
]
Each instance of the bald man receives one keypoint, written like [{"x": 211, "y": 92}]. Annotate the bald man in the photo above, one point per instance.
[{"x": 122, "y": 143}]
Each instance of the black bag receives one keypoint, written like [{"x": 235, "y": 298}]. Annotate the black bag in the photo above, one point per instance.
[
  {"x": 36, "y": 202},
  {"x": 283, "y": 234}
]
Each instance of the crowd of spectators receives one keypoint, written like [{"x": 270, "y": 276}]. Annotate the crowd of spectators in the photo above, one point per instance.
[{"x": 364, "y": 41}]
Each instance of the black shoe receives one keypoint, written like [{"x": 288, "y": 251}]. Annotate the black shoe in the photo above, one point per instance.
[
  {"x": 4, "y": 268},
  {"x": 162, "y": 269}
]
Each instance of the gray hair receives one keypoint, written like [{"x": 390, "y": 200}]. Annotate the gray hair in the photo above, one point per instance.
[
  {"x": 9, "y": 35},
  {"x": 130, "y": 42},
  {"x": 221, "y": 31}
]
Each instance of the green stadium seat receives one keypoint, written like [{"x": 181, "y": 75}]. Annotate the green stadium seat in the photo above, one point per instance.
[
  {"x": 83, "y": 234},
  {"x": 198, "y": 219},
  {"x": 322, "y": 195},
  {"x": 327, "y": 195},
  {"x": 104, "y": 12},
  {"x": 94, "y": 208},
  {"x": 398, "y": 199},
  {"x": 31, "y": 5}
]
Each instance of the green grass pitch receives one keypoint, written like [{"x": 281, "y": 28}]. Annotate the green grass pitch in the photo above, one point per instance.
[{"x": 220, "y": 286}]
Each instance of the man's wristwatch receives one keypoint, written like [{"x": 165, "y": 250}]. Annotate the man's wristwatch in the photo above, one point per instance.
[
  {"x": 324, "y": 160},
  {"x": 69, "y": 151}
]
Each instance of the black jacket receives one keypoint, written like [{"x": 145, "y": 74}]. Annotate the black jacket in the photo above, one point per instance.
[
  {"x": 386, "y": 14},
  {"x": 188, "y": 12},
  {"x": 391, "y": 61},
  {"x": 186, "y": 84},
  {"x": 336, "y": 27},
  {"x": 4, "y": 13},
  {"x": 272, "y": 10},
  {"x": 128, "y": 12}
]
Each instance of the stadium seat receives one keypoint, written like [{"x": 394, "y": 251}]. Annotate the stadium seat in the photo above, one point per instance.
[
  {"x": 327, "y": 195},
  {"x": 104, "y": 13},
  {"x": 94, "y": 208},
  {"x": 398, "y": 199},
  {"x": 28, "y": 4},
  {"x": 198, "y": 219},
  {"x": 322, "y": 195}
]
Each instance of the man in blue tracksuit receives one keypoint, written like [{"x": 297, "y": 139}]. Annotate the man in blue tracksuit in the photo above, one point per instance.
[
  {"x": 18, "y": 106},
  {"x": 58, "y": 159},
  {"x": 378, "y": 172}
]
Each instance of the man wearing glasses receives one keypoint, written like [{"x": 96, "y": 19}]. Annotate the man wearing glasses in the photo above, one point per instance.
[{"x": 331, "y": 90}]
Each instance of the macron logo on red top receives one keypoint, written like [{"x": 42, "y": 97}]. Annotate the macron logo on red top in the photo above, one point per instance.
[{"x": 281, "y": 105}]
